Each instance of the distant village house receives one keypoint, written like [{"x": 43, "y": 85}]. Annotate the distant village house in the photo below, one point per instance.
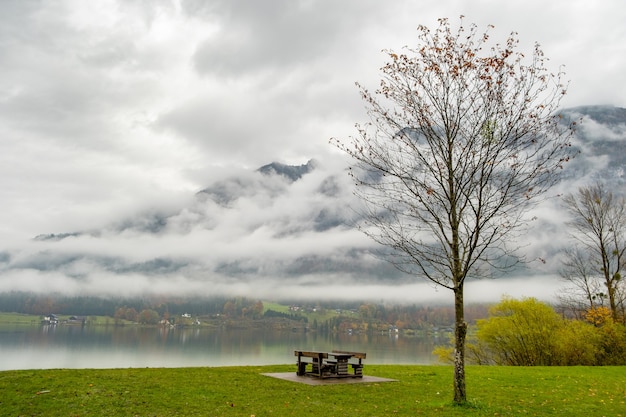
[{"x": 50, "y": 319}]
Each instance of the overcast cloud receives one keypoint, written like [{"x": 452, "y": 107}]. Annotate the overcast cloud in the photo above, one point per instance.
[{"x": 114, "y": 114}]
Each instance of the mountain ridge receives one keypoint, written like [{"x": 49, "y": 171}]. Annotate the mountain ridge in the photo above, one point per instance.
[{"x": 288, "y": 226}]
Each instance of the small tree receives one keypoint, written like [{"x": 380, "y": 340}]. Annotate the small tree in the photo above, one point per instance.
[
  {"x": 148, "y": 316},
  {"x": 584, "y": 291},
  {"x": 598, "y": 224},
  {"x": 462, "y": 139}
]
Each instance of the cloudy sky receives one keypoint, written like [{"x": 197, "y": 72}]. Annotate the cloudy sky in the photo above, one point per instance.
[{"x": 114, "y": 113}]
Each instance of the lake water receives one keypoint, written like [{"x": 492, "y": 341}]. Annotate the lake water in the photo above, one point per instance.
[{"x": 62, "y": 346}]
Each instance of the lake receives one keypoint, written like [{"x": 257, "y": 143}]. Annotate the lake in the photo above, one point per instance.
[{"x": 68, "y": 346}]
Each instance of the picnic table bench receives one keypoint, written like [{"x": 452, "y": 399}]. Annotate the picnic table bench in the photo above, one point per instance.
[{"x": 333, "y": 364}]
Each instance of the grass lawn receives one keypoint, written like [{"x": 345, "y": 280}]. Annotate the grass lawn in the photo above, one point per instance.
[
  {"x": 243, "y": 391},
  {"x": 21, "y": 319},
  {"x": 320, "y": 316},
  {"x": 31, "y": 319}
]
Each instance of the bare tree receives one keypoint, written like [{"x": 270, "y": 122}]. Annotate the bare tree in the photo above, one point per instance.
[
  {"x": 599, "y": 225},
  {"x": 463, "y": 137},
  {"x": 584, "y": 291}
]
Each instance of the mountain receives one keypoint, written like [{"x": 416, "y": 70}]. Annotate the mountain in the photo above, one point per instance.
[
  {"x": 293, "y": 172},
  {"x": 226, "y": 191},
  {"x": 601, "y": 139},
  {"x": 280, "y": 230},
  {"x": 610, "y": 116}
]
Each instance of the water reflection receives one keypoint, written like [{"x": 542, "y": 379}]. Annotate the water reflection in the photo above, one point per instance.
[{"x": 43, "y": 347}]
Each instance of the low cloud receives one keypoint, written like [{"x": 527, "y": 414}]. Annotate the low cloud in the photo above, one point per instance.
[
  {"x": 277, "y": 232},
  {"x": 132, "y": 133}
]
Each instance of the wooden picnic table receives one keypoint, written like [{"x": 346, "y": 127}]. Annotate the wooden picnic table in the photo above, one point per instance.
[{"x": 333, "y": 364}]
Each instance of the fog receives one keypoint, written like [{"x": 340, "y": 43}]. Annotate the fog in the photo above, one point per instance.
[{"x": 132, "y": 133}]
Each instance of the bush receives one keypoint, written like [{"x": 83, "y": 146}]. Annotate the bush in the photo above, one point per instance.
[
  {"x": 528, "y": 332},
  {"x": 577, "y": 343},
  {"x": 520, "y": 333}
]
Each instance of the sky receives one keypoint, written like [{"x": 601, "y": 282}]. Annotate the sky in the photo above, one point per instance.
[{"x": 114, "y": 113}]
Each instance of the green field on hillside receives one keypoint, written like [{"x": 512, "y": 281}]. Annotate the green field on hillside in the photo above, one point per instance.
[
  {"x": 31, "y": 319},
  {"x": 321, "y": 315}
]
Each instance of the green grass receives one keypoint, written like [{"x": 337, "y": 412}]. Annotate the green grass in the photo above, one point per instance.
[
  {"x": 24, "y": 319},
  {"x": 243, "y": 391},
  {"x": 15, "y": 318}
]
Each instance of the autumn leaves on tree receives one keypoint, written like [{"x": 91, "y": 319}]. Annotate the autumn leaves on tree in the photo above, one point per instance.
[{"x": 463, "y": 138}]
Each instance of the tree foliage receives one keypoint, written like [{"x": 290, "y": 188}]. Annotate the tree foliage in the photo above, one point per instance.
[
  {"x": 528, "y": 332},
  {"x": 520, "y": 332},
  {"x": 463, "y": 136},
  {"x": 148, "y": 316}
]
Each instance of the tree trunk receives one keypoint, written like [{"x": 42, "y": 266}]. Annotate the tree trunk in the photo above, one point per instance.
[
  {"x": 612, "y": 302},
  {"x": 460, "y": 331}
]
